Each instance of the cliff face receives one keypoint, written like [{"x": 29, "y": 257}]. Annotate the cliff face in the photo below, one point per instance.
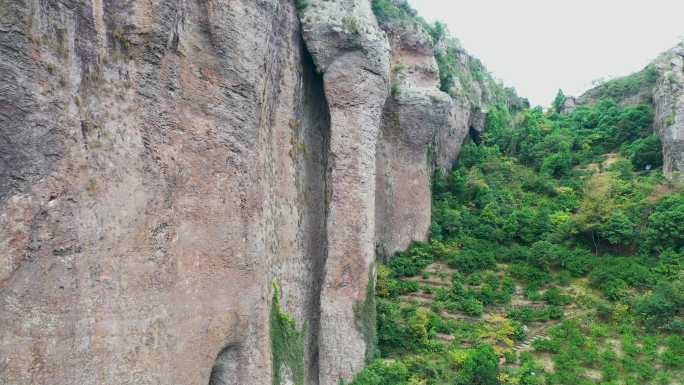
[
  {"x": 668, "y": 99},
  {"x": 162, "y": 164},
  {"x": 422, "y": 128},
  {"x": 165, "y": 163},
  {"x": 661, "y": 85}
]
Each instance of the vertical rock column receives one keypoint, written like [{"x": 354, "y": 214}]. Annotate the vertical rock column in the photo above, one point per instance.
[
  {"x": 422, "y": 127},
  {"x": 352, "y": 53},
  {"x": 668, "y": 99}
]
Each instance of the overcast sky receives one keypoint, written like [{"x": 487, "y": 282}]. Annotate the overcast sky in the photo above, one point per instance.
[{"x": 539, "y": 46}]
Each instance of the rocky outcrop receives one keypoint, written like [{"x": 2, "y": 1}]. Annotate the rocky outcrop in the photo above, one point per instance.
[
  {"x": 569, "y": 105},
  {"x": 353, "y": 55},
  {"x": 166, "y": 165},
  {"x": 668, "y": 99},
  {"x": 423, "y": 128}
]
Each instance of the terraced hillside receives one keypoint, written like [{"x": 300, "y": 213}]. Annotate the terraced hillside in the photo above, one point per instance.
[{"x": 555, "y": 257}]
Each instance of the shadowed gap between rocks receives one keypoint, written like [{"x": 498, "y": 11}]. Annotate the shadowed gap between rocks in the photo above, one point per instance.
[
  {"x": 225, "y": 369},
  {"x": 316, "y": 123}
]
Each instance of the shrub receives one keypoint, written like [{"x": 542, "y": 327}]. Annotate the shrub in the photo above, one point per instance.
[
  {"x": 666, "y": 223},
  {"x": 381, "y": 372},
  {"x": 475, "y": 256},
  {"x": 645, "y": 152},
  {"x": 673, "y": 355},
  {"x": 481, "y": 367},
  {"x": 553, "y": 296},
  {"x": 410, "y": 262},
  {"x": 659, "y": 308},
  {"x": 302, "y": 4}
]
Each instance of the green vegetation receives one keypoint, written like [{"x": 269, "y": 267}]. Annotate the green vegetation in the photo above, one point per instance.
[
  {"x": 626, "y": 87},
  {"x": 365, "y": 317},
  {"x": 302, "y": 4},
  {"x": 287, "y": 344},
  {"x": 388, "y": 10},
  {"x": 556, "y": 256},
  {"x": 559, "y": 101}
]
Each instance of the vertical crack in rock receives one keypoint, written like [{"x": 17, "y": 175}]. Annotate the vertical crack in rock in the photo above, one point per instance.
[{"x": 311, "y": 148}]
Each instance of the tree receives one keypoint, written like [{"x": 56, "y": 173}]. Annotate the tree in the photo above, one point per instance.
[
  {"x": 481, "y": 367},
  {"x": 645, "y": 152},
  {"x": 559, "y": 101},
  {"x": 619, "y": 229},
  {"x": 666, "y": 223}
]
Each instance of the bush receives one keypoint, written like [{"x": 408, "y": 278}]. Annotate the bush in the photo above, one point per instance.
[
  {"x": 543, "y": 255},
  {"x": 659, "y": 308},
  {"x": 381, "y": 372},
  {"x": 666, "y": 223},
  {"x": 475, "y": 256},
  {"x": 673, "y": 356},
  {"x": 481, "y": 367},
  {"x": 613, "y": 275},
  {"x": 646, "y": 152},
  {"x": 412, "y": 261},
  {"x": 387, "y": 10},
  {"x": 578, "y": 262},
  {"x": 553, "y": 296}
]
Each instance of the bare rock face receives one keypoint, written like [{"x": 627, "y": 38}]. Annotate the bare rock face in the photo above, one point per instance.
[
  {"x": 352, "y": 53},
  {"x": 161, "y": 165},
  {"x": 423, "y": 129},
  {"x": 668, "y": 99},
  {"x": 569, "y": 105}
]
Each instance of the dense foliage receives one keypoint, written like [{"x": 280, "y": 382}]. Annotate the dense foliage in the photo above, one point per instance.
[{"x": 556, "y": 257}]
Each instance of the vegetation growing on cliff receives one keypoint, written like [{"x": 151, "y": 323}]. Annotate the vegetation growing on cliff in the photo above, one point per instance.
[
  {"x": 625, "y": 87},
  {"x": 556, "y": 257},
  {"x": 287, "y": 344},
  {"x": 462, "y": 76}
]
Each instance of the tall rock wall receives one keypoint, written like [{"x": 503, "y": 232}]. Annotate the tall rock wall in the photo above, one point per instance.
[
  {"x": 422, "y": 129},
  {"x": 353, "y": 55},
  {"x": 668, "y": 99},
  {"x": 163, "y": 164}
]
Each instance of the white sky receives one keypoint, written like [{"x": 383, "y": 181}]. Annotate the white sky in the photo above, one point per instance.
[{"x": 539, "y": 46}]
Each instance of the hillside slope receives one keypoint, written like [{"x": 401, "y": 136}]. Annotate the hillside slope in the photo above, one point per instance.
[{"x": 556, "y": 257}]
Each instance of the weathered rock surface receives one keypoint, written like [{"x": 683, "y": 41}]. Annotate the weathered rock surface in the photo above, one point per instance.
[
  {"x": 668, "y": 100},
  {"x": 153, "y": 184},
  {"x": 423, "y": 128},
  {"x": 163, "y": 163},
  {"x": 352, "y": 53}
]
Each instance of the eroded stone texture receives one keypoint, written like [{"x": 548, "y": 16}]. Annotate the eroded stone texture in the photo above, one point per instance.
[
  {"x": 668, "y": 99},
  {"x": 352, "y": 53},
  {"x": 422, "y": 128},
  {"x": 162, "y": 163},
  {"x": 160, "y": 167}
]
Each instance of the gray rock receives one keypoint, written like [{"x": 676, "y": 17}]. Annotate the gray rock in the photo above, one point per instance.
[
  {"x": 668, "y": 99},
  {"x": 352, "y": 53},
  {"x": 163, "y": 163}
]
